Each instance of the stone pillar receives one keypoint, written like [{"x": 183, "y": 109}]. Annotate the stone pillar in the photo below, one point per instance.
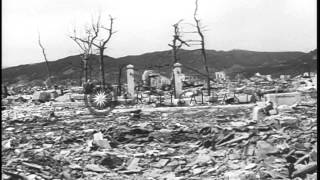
[
  {"x": 177, "y": 79},
  {"x": 130, "y": 80}
]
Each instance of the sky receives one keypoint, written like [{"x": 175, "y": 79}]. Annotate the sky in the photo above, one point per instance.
[{"x": 146, "y": 25}]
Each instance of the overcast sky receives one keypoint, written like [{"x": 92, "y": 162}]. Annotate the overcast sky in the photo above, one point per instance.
[{"x": 145, "y": 25}]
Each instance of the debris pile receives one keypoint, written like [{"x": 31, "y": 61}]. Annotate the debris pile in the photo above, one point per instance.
[{"x": 40, "y": 141}]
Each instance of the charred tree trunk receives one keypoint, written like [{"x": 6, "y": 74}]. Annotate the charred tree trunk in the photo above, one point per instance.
[
  {"x": 81, "y": 72},
  {"x": 85, "y": 68},
  {"x": 119, "y": 80},
  {"x": 174, "y": 52},
  {"x": 80, "y": 79},
  {"x": 204, "y": 56},
  {"x": 46, "y": 60},
  {"x": 101, "y": 51},
  {"x": 203, "y": 50},
  {"x": 90, "y": 69},
  {"x": 47, "y": 63}
]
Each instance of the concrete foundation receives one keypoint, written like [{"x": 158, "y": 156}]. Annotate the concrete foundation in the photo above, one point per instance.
[{"x": 284, "y": 98}]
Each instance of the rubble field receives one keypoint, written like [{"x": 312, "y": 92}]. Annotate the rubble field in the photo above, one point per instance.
[{"x": 40, "y": 141}]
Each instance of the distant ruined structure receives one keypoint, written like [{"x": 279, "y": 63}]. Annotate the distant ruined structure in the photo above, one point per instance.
[
  {"x": 220, "y": 75},
  {"x": 154, "y": 80}
]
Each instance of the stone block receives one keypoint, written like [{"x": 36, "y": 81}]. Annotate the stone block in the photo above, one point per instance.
[
  {"x": 69, "y": 104},
  {"x": 60, "y": 92},
  {"x": 257, "y": 114},
  {"x": 64, "y": 98},
  {"x": 264, "y": 148},
  {"x": 78, "y": 97},
  {"x": 5, "y": 102},
  {"x": 284, "y": 98},
  {"x": 41, "y": 96},
  {"x": 239, "y": 175},
  {"x": 213, "y": 99},
  {"x": 244, "y": 98},
  {"x": 76, "y": 89},
  {"x": 273, "y": 112},
  {"x": 53, "y": 94}
]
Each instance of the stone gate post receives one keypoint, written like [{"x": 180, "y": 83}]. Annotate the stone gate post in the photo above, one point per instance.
[
  {"x": 130, "y": 80},
  {"x": 177, "y": 79}
]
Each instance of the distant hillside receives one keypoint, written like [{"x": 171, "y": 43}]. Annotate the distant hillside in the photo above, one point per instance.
[{"x": 234, "y": 61}]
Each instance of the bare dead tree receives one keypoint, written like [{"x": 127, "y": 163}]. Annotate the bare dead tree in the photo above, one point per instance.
[
  {"x": 177, "y": 42},
  {"x": 101, "y": 45},
  {"x": 202, "y": 43},
  {"x": 86, "y": 43},
  {"x": 45, "y": 58}
]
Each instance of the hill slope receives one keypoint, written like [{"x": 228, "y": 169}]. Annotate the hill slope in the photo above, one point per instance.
[{"x": 234, "y": 61}]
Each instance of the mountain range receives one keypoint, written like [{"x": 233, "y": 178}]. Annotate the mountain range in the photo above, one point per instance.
[{"x": 68, "y": 69}]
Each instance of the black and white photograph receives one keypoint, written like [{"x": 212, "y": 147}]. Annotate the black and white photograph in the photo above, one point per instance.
[{"x": 159, "y": 90}]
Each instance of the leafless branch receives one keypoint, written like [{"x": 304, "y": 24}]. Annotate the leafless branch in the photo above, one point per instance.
[
  {"x": 190, "y": 32},
  {"x": 189, "y": 24},
  {"x": 74, "y": 38},
  {"x": 192, "y": 40},
  {"x": 203, "y": 27},
  {"x": 195, "y": 44},
  {"x": 103, "y": 42}
]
